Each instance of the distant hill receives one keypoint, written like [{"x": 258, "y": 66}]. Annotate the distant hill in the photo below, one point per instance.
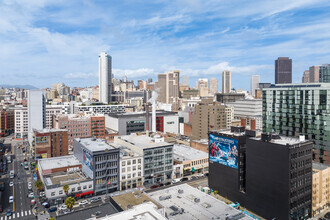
[{"x": 19, "y": 86}]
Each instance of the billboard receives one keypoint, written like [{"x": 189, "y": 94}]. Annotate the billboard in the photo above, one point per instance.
[
  {"x": 223, "y": 150},
  {"x": 88, "y": 164},
  {"x": 41, "y": 139}
]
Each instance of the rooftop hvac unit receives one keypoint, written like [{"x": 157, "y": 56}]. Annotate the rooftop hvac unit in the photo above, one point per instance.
[
  {"x": 197, "y": 200},
  {"x": 180, "y": 191}
]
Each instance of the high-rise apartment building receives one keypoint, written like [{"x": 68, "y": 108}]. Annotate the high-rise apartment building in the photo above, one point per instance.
[
  {"x": 185, "y": 80},
  {"x": 208, "y": 115},
  {"x": 7, "y": 121},
  {"x": 202, "y": 87},
  {"x": 314, "y": 74},
  {"x": 325, "y": 73},
  {"x": 168, "y": 87},
  {"x": 269, "y": 175},
  {"x": 283, "y": 70},
  {"x": 36, "y": 112},
  {"x": 254, "y": 84},
  {"x": 105, "y": 77},
  {"x": 226, "y": 81},
  {"x": 297, "y": 109},
  {"x": 305, "y": 78},
  {"x": 213, "y": 86}
]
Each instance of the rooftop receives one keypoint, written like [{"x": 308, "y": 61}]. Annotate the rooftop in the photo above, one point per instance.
[
  {"x": 93, "y": 144},
  {"x": 145, "y": 211},
  {"x": 128, "y": 199},
  {"x": 182, "y": 152},
  {"x": 140, "y": 114},
  {"x": 144, "y": 141},
  {"x": 58, "y": 162},
  {"x": 319, "y": 166},
  {"x": 65, "y": 177},
  {"x": 48, "y": 130},
  {"x": 283, "y": 140},
  {"x": 186, "y": 202}
]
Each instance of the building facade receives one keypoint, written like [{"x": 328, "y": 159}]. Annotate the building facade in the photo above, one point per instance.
[
  {"x": 7, "y": 121},
  {"x": 213, "y": 86},
  {"x": 325, "y": 73},
  {"x": 100, "y": 109},
  {"x": 229, "y": 97},
  {"x": 100, "y": 162},
  {"x": 297, "y": 109},
  {"x": 314, "y": 74},
  {"x": 305, "y": 78},
  {"x": 283, "y": 70},
  {"x": 50, "y": 143},
  {"x": 271, "y": 175},
  {"x": 321, "y": 188},
  {"x": 226, "y": 82},
  {"x": 36, "y": 111},
  {"x": 105, "y": 78},
  {"x": 168, "y": 87},
  {"x": 208, "y": 115},
  {"x": 255, "y": 80},
  {"x": 157, "y": 156}
]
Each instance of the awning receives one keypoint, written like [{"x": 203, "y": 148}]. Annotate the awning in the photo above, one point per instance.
[{"x": 84, "y": 193}]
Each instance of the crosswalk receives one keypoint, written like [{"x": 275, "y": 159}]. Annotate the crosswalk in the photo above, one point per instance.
[{"x": 17, "y": 215}]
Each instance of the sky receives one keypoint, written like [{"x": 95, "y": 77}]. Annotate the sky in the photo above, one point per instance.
[{"x": 51, "y": 41}]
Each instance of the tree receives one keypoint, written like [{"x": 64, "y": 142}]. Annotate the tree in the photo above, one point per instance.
[
  {"x": 69, "y": 202},
  {"x": 66, "y": 189},
  {"x": 51, "y": 218},
  {"x": 39, "y": 185}
]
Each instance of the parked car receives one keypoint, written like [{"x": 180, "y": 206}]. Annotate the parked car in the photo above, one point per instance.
[
  {"x": 62, "y": 207},
  {"x": 154, "y": 186},
  {"x": 193, "y": 178},
  {"x": 31, "y": 195},
  {"x": 184, "y": 179},
  {"x": 200, "y": 175},
  {"x": 84, "y": 202},
  {"x": 327, "y": 216},
  {"x": 167, "y": 183},
  {"x": 8, "y": 212},
  {"x": 33, "y": 202},
  {"x": 11, "y": 199},
  {"x": 11, "y": 183},
  {"x": 42, "y": 194},
  {"x": 96, "y": 199},
  {"x": 68, "y": 211},
  {"x": 52, "y": 209}
]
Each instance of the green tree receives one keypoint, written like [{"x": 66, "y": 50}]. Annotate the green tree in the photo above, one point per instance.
[
  {"x": 69, "y": 202},
  {"x": 39, "y": 185},
  {"x": 66, "y": 189}
]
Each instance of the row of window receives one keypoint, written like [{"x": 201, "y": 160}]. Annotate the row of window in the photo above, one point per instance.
[
  {"x": 73, "y": 189},
  {"x": 106, "y": 157},
  {"x": 129, "y": 162},
  {"x": 133, "y": 175}
]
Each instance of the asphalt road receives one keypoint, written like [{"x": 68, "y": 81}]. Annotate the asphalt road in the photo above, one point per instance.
[{"x": 21, "y": 205}]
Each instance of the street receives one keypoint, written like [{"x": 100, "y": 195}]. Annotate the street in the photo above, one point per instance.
[{"x": 21, "y": 205}]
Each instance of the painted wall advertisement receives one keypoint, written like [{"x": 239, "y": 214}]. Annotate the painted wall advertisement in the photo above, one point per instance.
[
  {"x": 88, "y": 164},
  {"x": 41, "y": 139},
  {"x": 223, "y": 150}
]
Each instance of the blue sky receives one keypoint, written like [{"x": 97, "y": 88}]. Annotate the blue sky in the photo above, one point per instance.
[{"x": 44, "y": 42}]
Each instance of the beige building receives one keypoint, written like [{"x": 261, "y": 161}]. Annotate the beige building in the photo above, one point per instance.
[
  {"x": 168, "y": 87},
  {"x": 202, "y": 87},
  {"x": 226, "y": 81},
  {"x": 321, "y": 188},
  {"x": 209, "y": 115},
  {"x": 314, "y": 74},
  {"x": 213, "y": 86},
  {"x": 305, "y": 78}
]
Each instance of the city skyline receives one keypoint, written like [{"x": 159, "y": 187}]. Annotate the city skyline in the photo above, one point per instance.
[{"x": 62, "y": 40}]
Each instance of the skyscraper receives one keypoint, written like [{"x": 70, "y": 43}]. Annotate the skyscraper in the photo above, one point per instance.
[
  {"x": 213, "y": 86},
  {"x": 254, "y": 84},
  {"x": 314, "y": 74},
  {"x": 36, "y": 111},
  {"x": 226, "y": 81},
  {"x": 168, "y": 86},
  {"x": 202, "y": 87},
  {"x": 105, "y": 77},
  {"x": 305, "y": 78},
  {"x": 185, "y": 80},
  {"x": 283, "y": 70},
  {"x": 325, "y": 73}
]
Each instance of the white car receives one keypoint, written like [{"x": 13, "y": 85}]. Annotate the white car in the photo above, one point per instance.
[
  {"x": 11, "y": 183},
  {"x": 31, "y": 195},
  {"x": 62, "y": 207},
  {"x": 11, "y": 199},
  {"x": 29, "y": 185},
  {"x": 84, "y": 202},
  {"x": 42, "y": 194}
]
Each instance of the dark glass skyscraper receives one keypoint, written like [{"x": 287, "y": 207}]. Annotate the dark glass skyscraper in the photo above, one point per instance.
[
  {"x": 283, "y": 70},
  {"x": 325, "y": 73}
]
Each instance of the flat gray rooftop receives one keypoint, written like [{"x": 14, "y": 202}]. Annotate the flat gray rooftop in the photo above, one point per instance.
[
  {"x": 195, "y": 203},
  {"x": 58, "y": 162},
  {"x": 319, "y": 166},
  {"x": 283, "y": 140},
  {"x": 182, "y": 152},
  {"x": 143, "y": 141},
  {"x": 94, "y": 144}
]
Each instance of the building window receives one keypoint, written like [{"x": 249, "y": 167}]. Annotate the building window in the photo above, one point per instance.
[
  {"x": 85, "y": 187},
  {"x": 123, "y": 163},
  {"x": 123, "y": 170},
  {"x": 134, "y": 161},
  {"x": 128, "y": 169},
  {"x": 90, "y": 186},
  {"x": 73, "y": 189},
  {"x": 128, "y": 162}
]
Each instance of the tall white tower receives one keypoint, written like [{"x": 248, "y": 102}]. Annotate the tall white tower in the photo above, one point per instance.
[
  {"x": 36, "y": 111},
  {"x": 226, "y": 81},
  {"x": 254, "y": 84},
  {"x": 105, "y": 77}
]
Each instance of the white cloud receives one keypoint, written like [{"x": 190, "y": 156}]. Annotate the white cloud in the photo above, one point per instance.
[
  {"x": 80, "y": 75},
  {"x": 134, "y": 73}
]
